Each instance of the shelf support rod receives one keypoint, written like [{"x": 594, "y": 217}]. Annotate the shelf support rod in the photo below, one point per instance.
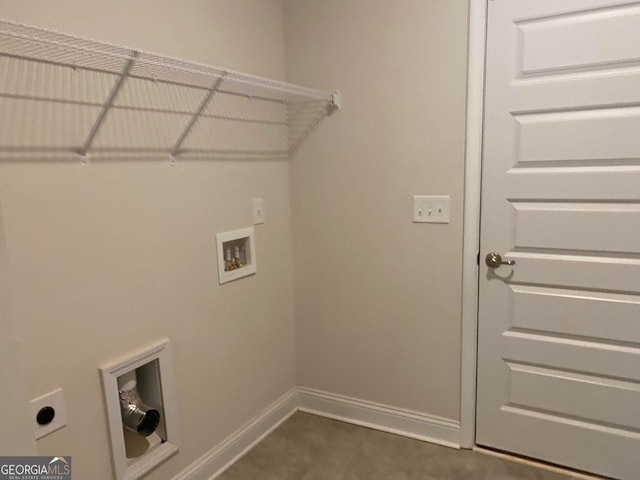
[
  {"x": 107, "y": 105},
  {"x": 183, "y": 136}
]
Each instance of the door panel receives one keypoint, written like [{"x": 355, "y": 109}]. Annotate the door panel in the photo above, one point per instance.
[
  {"x": 559, "y": 331},
  {"x": 576, "y": 395},
  {"x": 599, "y": 315},
  {"x": 601, "y": 135},
  {"x": 609, "y": 227},
  {"x": 558, "y": 269},
  {"x": 545, "y": 46},
  {"x": 576, "y": 354}
]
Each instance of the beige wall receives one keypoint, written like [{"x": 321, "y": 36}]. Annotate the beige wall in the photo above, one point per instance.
[
  {"x": 15, "y": 413},
  {"x": 378, "y": 297},
  {"x": 110, "y": 257},
  {"x": 107, "y": 258}
]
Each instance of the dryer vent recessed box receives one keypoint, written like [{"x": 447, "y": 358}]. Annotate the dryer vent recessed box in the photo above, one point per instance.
[{"x": 236, "y": 254}]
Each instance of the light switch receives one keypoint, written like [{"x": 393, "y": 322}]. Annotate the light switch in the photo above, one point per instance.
[
  {"x": 258, "y": 211},
  {"x": 431, "y": 209}
]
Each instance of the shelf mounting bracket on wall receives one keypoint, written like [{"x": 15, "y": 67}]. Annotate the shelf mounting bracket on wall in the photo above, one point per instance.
[{"x": 336, "y": 102}]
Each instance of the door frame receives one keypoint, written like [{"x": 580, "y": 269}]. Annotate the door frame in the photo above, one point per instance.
[{"x": 477, "y": 41}]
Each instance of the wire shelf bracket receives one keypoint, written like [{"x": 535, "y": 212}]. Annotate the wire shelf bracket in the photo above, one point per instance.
[
  {"x": 105, "y": 109},
  {"x": 176, "y": 148},
  {"x": 62, "y": 94}
]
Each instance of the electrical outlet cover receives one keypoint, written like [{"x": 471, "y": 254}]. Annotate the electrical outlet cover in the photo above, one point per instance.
[{"x": 55, "y": 400}]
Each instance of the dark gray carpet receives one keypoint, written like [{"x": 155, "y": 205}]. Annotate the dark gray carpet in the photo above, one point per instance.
[{"x": 308, "y": 447}]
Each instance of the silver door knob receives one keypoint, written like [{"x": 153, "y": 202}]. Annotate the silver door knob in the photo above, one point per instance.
[{"x": 494, "y": 260}]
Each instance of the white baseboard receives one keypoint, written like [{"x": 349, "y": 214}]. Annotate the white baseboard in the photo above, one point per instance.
[
  {"x": 428, "y": 428},
  {"x": 416, "y": 425},
  {"x": 222, "y": 456}
]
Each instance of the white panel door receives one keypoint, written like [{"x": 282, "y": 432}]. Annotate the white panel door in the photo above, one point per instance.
[{"x": 559, "y": 331}]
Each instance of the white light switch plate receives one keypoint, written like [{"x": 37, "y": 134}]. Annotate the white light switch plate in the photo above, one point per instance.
[
  {"x": 55, "y": 400},
  {"x": 431, "y": 209},
  {"x": 258, "y": 211}
]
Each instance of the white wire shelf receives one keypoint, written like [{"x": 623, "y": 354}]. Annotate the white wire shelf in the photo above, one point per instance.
[{"x": 62, "y": 94}]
